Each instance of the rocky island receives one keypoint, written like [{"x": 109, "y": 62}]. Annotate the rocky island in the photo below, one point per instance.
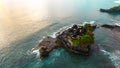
[
  {"x": 76, "y": 39},
  {"x": 115, "y": 9}
]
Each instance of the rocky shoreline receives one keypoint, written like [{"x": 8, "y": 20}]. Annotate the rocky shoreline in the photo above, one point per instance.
[
  {"x": 77, "y": 39},
  {"x": 112, "y": 27},
  {"x": 115, "y": 9},
  {"x": 47, "y": 45},
  {"x": 64, "y": 40}
]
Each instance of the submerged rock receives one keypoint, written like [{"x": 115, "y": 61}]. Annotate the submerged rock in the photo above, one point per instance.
[
  {"x": 112, "y": 27},
  {"x": 113, "y": 31},
  {"x": 115, "y": 9}
]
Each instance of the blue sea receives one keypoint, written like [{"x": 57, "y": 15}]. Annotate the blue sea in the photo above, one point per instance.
[{"x": 23, "y": 23}]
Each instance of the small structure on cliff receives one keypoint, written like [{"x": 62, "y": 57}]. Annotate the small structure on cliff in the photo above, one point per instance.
[
  {"x": 77, "y": 39},
  {"x": 115, "y": 9}
]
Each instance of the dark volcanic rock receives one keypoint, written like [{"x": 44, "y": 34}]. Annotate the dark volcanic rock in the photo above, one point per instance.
[
  {"x": 78, "y": 49},
  {"x": 115, "y": 9},
  {"x": 112, "y": 27},
  {"x": 47, "y": 45},
  {"x": 110, "y": 11},
  {"x": 65, "y": 39}
]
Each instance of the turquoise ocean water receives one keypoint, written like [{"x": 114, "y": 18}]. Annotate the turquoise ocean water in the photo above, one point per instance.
[{"x": 60, "y": 13}]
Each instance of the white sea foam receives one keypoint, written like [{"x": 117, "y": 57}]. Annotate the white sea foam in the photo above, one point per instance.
[
  {"x": 91, "y": 22},
  {"x": 59, "y": 31},
  {"x": 40, "y": 40},
  {"x": 117, "y": 1},
  {"x": 35, "y": 52},
  {"x": 67, "y": 27},
  {"x": 114, "y": 57},
  {"x": 118, "y": 24},
  {"x": 53, "y": 35}
]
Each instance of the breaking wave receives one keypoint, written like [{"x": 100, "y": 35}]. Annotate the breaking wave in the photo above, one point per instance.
[
  {"x": 117, "y": 1},
  {"x": 114, "y": 57},
  {"x": 36, "y": 52},
  {"x": 118, "y": 24}
]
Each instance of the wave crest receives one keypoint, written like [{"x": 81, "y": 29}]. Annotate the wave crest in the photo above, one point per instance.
[{"x": 114, "y": 57}]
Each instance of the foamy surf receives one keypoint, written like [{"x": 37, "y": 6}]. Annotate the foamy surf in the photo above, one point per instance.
[
  {"x": 36, "y": 52},
  {"x": 91, "y": 22},
  {"x": 114, "y": 57},
  {"x": 67, "y": 27},
  {"x": 117, "y": 1},
  {"x": 59, "y": 31},
  {"x": 118, "y": 24}
]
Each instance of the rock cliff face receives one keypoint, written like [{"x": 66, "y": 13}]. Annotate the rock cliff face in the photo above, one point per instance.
[
  {"x": 47, "y": 45},
  {"x": 77, "y": 39}
]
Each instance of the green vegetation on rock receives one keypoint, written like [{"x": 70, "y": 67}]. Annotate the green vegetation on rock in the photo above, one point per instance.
[
  {"x": 76, "y": 42},
  {"x": 115, "y": 7},
  {"x": 86, "y": 38}
]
